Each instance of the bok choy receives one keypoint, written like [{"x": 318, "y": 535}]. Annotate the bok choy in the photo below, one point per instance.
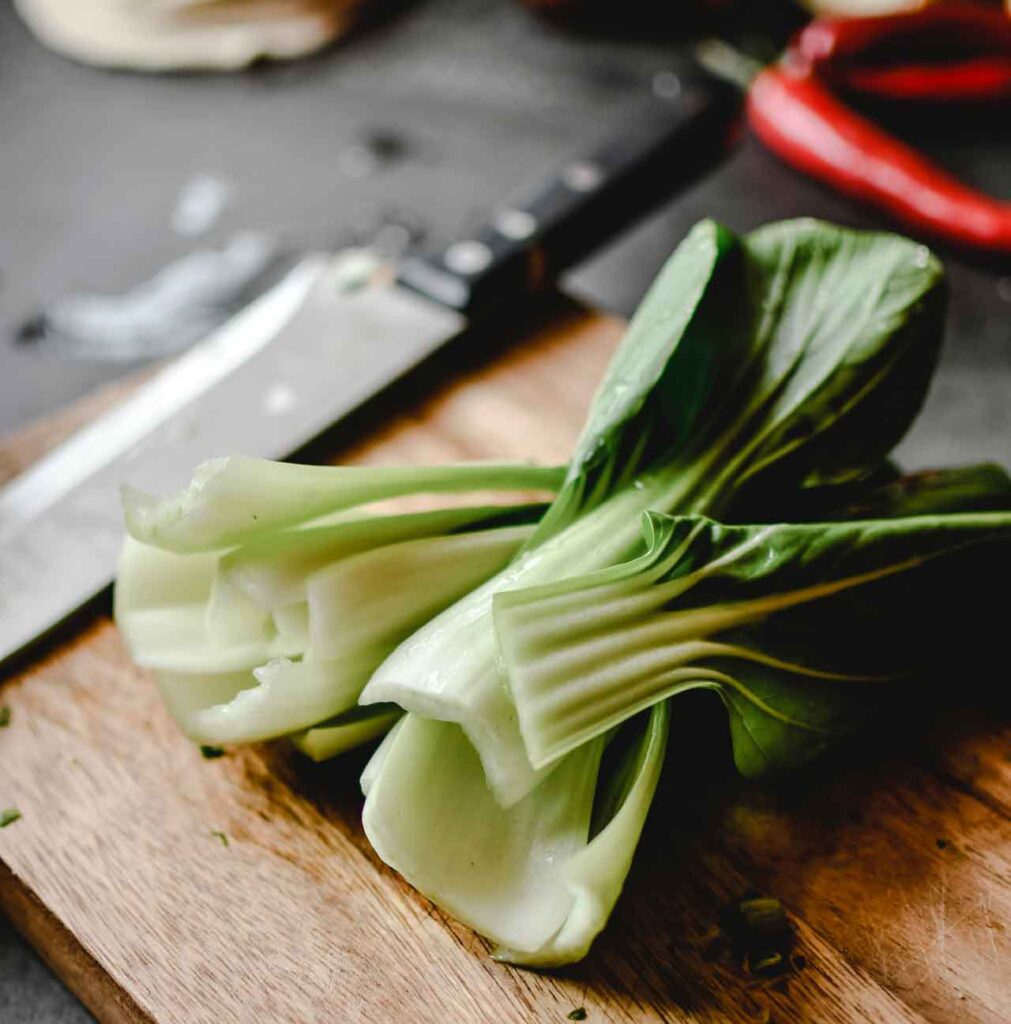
[
  {"x": 259, "y": 623},
  {"x": 758, "y": 374},
  {"x": 729, "y": 521}
]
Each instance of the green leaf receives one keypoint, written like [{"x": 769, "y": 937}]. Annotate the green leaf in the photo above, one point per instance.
[
  {"x": 343, "y": 732},
  {"x": 529, "y": 877},
  {"x": 845, "y": 328},
  {"x": 273, "y": 569},
  {"x": 886, "y": 493},
  {"x": 799, "y": 354},
  {"x": 982, "y": 488},
  {"x": 429, "y": 814},
  {"x": 663, "y": 377},
  {"x": 799, "y": 628},
  {"x": 285, "y": 696},
  {"x": 234, "y": 500},
  {"x": 378, "y": 597}
]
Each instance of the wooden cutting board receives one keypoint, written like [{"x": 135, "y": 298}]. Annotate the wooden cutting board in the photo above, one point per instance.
[{"x": 165, "y": 887}]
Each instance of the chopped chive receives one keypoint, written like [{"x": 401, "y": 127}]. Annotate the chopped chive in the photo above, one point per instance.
[
  {"x": 8, "y": 816},
  {"x": 5, "y": 716},
  {"x": 210, "y": 753},
  {"x": 757, "y": 933},
  {"x": 768, "y": 962},
  {"x": 221, "y": 836},
  {"x": 579, "y": 1013}
]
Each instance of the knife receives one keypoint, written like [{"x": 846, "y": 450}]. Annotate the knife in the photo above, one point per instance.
[{"x": 334, "y": 332}]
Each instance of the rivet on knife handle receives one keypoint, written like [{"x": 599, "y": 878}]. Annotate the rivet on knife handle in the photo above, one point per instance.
[{"x": 665, "y": 143}]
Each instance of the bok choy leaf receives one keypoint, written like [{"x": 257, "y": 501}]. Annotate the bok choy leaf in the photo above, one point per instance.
[
  {"x": 345, "y": 731},
  {"x": 162, "y": 605},
  {"x": 801, "y": 629},
  {"x": 532, "y": 877},
  {"x": 232, "y": 500},
  {"x": 279, "y": 635}
]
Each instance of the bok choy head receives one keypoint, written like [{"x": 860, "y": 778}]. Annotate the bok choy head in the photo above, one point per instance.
[{"x": 760, "y": 374}]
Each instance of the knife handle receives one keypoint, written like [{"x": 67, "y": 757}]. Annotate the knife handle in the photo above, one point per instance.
[{"x": 677, "y": 134}]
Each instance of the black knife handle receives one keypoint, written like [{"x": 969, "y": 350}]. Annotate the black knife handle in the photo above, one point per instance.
[{"x": 676, "y": 135}]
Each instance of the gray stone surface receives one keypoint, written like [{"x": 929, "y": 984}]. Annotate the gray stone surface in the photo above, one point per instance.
[
  {"x": 484, "y": 98},
  {"x": 29, "y": 994},
  {"x": 478, "y": 95}
]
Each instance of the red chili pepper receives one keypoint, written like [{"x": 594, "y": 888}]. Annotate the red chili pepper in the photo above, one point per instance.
[
  {"x": 838, "y": 49},
  {"x": 968, "y": 24},
  {"x": 972, "y": 81},
  {"x": 795, "y": 114}
]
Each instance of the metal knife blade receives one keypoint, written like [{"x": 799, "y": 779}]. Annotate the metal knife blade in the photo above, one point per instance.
[
  {"x": 266, "y": 383},
  {"x": 313, "y": 349}
]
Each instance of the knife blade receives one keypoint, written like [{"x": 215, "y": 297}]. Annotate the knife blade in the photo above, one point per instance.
[{"x": 333, "y": 333}]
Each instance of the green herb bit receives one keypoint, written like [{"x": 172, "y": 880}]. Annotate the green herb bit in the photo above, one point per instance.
[
  {"x": 759, "y": 934},
  {"x": 770, "y": 962},
  {"x": 579, "y": 1013},
  {"x": 221, "y": 836},
  {"x": 210, "y": 753},
  {"x": 763, "y": 916},
  {"x": 5, "y": 717},
  {"x": 8, "y": 816}
]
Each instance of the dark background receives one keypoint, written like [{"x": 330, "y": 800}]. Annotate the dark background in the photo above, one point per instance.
[{"x": 459, "y": 104}]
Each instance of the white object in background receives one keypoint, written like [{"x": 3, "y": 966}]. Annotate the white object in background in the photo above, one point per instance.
[
  {"x": 865, "y": 8},
  {"x": 155, "y": 35},
  {"x": 201, "y": 202},
  {"x": 183, "y": 302}
]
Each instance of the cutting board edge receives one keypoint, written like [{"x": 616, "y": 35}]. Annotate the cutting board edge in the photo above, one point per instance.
[{"x": 65, "y": 955}]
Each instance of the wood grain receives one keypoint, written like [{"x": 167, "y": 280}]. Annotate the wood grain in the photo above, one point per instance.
[{"x": 893, "y": 858}]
